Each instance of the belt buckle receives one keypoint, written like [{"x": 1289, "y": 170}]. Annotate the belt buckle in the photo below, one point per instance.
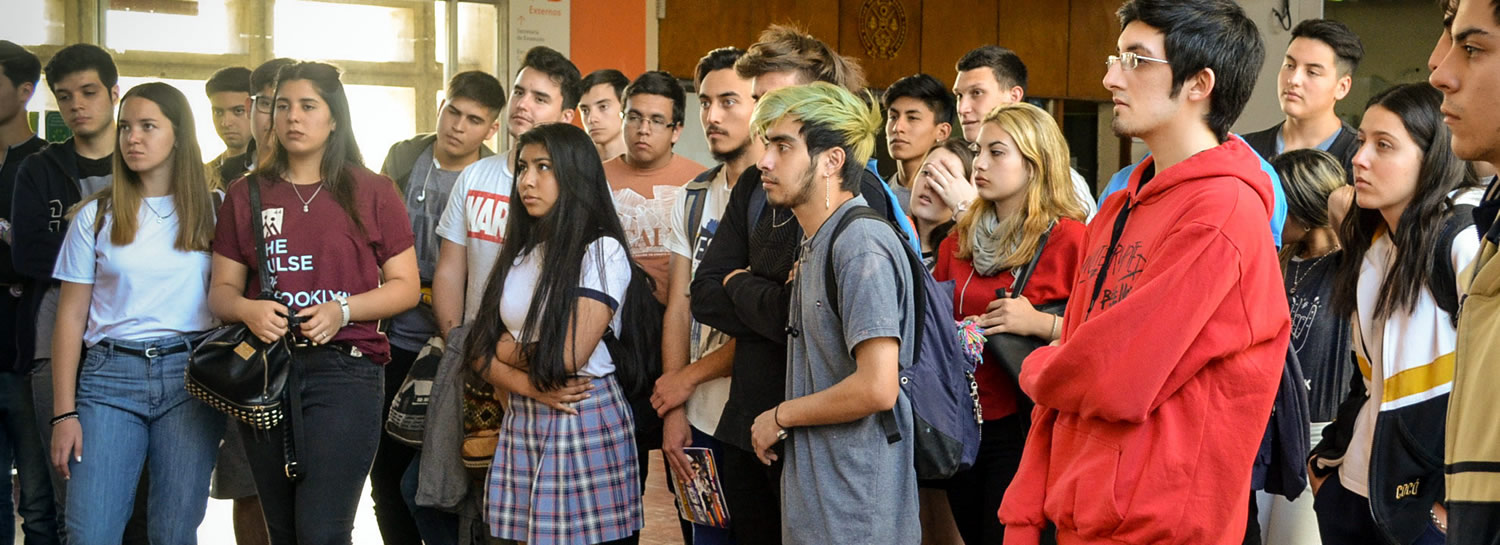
[
  {"x": 152, "y": 352},
  {"x": 354, "y": 352}
]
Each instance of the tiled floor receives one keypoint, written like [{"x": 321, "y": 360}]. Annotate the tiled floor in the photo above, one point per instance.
[{"x": 661, "y": 516}]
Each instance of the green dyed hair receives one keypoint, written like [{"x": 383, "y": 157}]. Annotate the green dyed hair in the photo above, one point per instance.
[{"x": 831, "y": 116}]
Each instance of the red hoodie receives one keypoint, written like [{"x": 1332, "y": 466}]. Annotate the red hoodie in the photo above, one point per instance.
[{"x": 1150, "y": 411}]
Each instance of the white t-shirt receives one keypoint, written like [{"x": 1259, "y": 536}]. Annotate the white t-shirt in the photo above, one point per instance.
[
  {"x": 706, "y": 404},
  {"x": 605, "y": 275},
  {"x": 145, "y": 290},
  {"x": 475, "y": 218}
]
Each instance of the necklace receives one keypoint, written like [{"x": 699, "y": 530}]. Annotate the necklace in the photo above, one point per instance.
[
  {"x": 159, "y": 218},
  {"x": 776, "y": 224},
  {"x": 1307, "y": 268},
  {"x": 308, "y": 200}
]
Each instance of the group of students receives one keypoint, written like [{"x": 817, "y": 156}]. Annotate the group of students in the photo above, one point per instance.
[{"x": 620, "y": 298}]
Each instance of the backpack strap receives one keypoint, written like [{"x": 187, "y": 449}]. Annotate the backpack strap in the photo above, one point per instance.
[
  {"x": 697, "y": 195},
  {"x": 919, "y": 294},
  {"x": 1443, "y": 280},
  {"x": 1023, "y": 277},
  {"x": 757, "y": 206}
]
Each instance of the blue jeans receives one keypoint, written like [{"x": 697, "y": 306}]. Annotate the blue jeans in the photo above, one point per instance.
[
  {"x": 20, "y": 437},
  {"x": 134, "y": 411},
  {"x": 436, "y": 526}
]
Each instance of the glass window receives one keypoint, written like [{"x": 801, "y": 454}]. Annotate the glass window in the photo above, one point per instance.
[
  {"x": 478, "y": 41},
  {"x": 33, "y": 22},
  {"x": 322, "y": 30},
  {"x": 203, "y": 26},
  {"x": 382, "y": 116}
]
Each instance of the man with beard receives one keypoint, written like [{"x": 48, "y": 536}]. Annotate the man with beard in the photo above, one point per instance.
[{"x": 697, "y": 359}]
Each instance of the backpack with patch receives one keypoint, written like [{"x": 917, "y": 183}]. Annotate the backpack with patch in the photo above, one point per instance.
[
  {"x": 940, "y": 381},
  {"x": 1443, "y": 281}
]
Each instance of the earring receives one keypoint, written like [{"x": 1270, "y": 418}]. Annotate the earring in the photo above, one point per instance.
[{"x": 827, "y": 191}]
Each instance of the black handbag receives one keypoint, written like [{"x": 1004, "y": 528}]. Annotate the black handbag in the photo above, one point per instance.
[
  {"x": 1009, "y": 349},
  {"x": 234, "y": 371}
]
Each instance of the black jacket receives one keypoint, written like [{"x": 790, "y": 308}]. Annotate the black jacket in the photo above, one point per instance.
[
  {"x": 1344, "y": 146},
  {"x": 1280, "y": 466},
  {"x": 8, "y": 171},
  {"x": 46, "y": 188},
  {"x": 753, "y": 307},
  {"x": 1406, "y": 461}
]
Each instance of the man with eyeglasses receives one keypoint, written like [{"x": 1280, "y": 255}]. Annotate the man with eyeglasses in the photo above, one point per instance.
[
  {"x": 1151, "y": 407},
  {"x": 645, "y": 180},
  {"x": 263, "y": 84}
]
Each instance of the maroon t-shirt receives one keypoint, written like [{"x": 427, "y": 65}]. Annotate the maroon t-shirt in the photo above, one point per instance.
[{"x": 321, "y": 253}]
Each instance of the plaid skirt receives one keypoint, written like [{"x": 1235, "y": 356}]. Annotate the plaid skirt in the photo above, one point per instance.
[{"x": 564, "y": 479}]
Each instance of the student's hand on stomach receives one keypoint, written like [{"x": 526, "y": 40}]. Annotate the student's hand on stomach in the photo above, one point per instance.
[
  {"x": 266, "y": 319},
  {"x": 1016, "y": 316}
]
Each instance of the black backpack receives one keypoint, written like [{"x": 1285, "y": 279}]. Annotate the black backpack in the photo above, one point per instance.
[{"x": 1443, "y": 282}]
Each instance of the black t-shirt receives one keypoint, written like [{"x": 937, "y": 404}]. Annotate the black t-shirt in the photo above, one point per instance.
[
  {"x": 1320, "y": 336},
  {"x": 94, "y": 168}
]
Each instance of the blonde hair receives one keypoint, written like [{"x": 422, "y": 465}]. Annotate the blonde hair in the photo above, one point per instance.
[
  {"x": 1049, "y": 191},
  {"x": 831, "y": 117},
  {"x": 190, "y": 192}
]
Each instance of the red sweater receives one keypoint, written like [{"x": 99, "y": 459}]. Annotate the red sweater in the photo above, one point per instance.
[
  {"x": 1150, "y": 412},
  {"x": 1052, "y": 282}
]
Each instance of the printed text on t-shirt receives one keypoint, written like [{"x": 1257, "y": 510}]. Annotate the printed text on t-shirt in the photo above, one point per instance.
[{"x": 486, "y": 213}]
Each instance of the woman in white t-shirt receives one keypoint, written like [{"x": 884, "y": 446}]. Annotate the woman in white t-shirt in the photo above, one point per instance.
[
  {"x": 1377, "y": 473},
  {"x": 565, "y": 468},
  {"x": 134, "y": 269}
]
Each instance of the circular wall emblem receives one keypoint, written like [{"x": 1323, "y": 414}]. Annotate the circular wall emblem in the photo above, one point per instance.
[{"x": 882, "y": 28}]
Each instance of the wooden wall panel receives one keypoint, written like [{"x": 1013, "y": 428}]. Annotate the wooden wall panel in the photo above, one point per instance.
[
  {"x": 1038, "y": 31},
  {"x": 951, "y": 28},
  {"x": 894, "y": 30},
  {"x": 1095, "y": 29},
  {"x": 691, "y": 29}
]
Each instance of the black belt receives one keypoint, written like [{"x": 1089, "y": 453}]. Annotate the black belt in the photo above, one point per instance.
[
  {"x": 342, "y": 348},
  {"x": 151, "y": 351}
]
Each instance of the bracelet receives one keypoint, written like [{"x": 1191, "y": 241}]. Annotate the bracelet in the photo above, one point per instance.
[
  {"x": 1435, "y": 522},
  {"x": 73, "y": 415},
  {"x": 1054, "y": 327},
  {"x": 343, "y": 308},
  {"x": 780, "y": 429}
]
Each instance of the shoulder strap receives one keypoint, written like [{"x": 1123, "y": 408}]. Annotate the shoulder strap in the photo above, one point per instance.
[
  {"x": 697, "y": 193},
  {"x": 757, "y": 207},
  {"x": 1443, "y": 280},
  {"x": 918, "y": 290},
  {"x": 1024, "y": 276},
  {"x": 99, "y": 216},
  {"x": 258, "y": 235}
]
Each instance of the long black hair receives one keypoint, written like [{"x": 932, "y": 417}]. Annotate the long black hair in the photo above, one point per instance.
[
  {"x": 1415, "y": 236},
  {"x": 340, "y": 153},
  {"x": 584, "y": 212}
]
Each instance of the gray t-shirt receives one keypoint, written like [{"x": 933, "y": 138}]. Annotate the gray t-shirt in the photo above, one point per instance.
[
  {"x": 427, "y": 189},
  {"x": 845, "y": 483}
]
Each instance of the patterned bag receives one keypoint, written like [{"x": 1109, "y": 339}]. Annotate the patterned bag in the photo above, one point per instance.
[{"x": 482, "y": 414}]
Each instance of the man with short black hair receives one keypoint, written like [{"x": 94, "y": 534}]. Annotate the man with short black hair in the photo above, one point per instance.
[
  {"x": 919, "y": 114},
  {"x": 472, "y": 226},
  {"x": 697, "y": 359},
  {"x": 425, "y": 168},
  {"x": 1467, "y": 71},
  {"x": 20, "y": 441},
  {"x": 740, "y": 286},
  {"x": 647, "y": 178},
  {"x": 1167, "y": 423},
  {"x": 228, "y": 93},
  {"x": 85, "y": 83},
  {"x": 263, "y": 84},
  {"x": 991, "y": 76},
  {"x": 601, "y": 94},
  {"x": 1316, "y": 73}
]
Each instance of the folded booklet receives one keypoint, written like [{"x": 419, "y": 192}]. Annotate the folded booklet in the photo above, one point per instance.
[{"x": 700, "y": 500}]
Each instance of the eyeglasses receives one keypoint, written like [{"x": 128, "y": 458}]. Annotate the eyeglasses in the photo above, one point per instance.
[
  {"x": 634, "y": 120},
  {"x": 263, "y": 103},
  {"x": 1128, "y": 61}
]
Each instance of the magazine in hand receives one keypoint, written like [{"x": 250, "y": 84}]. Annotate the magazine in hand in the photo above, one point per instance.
[{"x": 701, "y": 500}]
